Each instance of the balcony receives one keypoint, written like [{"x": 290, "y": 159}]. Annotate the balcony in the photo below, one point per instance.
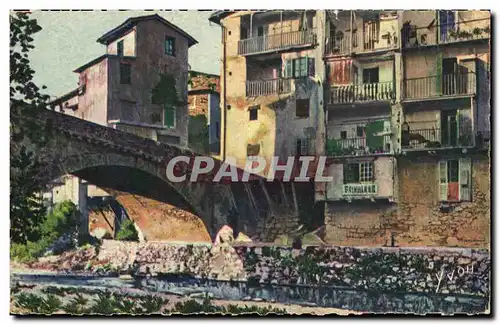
[
  {"x": 424, "y": 139},
  {"x": 341, "y": 45},
  {"x": 378, "y": 145},
  {"x": 271, "y": 43},
  {"x": 433, "y": 87},
  {"x": 415, "y": 36},
  {"x": 368, "y": 92},
  {"x": 268, "y": 87}
]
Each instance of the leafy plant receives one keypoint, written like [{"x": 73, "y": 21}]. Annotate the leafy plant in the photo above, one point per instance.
[
  {"x": 104, "y": 304},
  {"x": 76, "y": 305},
  {"x": 26, "y": 136},
  {"x": 127, "y": 231},
  {"x": 152, "y": 304}
]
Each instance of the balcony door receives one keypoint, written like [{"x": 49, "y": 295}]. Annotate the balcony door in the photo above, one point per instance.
[
  {"x": 449, "y": 128},
  {"x": 369, "y": 89},
  {"x": 446, "y": 24}
]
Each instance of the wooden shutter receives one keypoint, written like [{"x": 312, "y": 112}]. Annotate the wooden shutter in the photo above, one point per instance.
[
  {"x": 303, "y": 146},
  {"x": 311, "y": 70},
  {"x": 439, "y": 73},
  {"x": 465, "y": 179},
  {"x": 169, "y": 117},
  {"x": 374, "y": 141},
  {"x": 288, "y": 73},
  {"x": 443, "y": 180}
]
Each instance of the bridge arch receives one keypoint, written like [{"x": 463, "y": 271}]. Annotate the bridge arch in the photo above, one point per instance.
[{"x": 117, "y": 173}]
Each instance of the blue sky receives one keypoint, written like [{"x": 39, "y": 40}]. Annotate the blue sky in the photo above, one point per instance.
[{"x": 68, "y": 40}]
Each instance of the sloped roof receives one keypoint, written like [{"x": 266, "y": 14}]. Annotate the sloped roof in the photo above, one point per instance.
[
  {"x": 217, "y": 16},
  {"x": 115, "y": 33}
]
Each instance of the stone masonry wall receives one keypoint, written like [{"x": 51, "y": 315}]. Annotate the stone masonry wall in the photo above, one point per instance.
[
  {"x": 441, "y": 271},
  {"x": 418, "y": 218}
]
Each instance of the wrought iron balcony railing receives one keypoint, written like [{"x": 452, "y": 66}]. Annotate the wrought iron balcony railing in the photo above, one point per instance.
[
  {"x": 368, "y": 92},
  {"x": 342, "y": 45},
  {"x": 268, "y": 87},
  {"x": 436, "y": 138},
  {"x": 359, "y": 146},
  {"x": 267, "y": 43},
  {"x": 455, "y": 84},
  {"x": 415, "y": 36}
]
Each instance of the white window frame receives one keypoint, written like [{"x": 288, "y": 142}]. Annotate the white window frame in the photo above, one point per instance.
[
  {"x": 464, "y": 179},
  {"x": 366, "y": 172}
]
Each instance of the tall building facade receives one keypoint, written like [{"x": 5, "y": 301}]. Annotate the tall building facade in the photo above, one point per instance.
[{"x": 398, "y": 102}]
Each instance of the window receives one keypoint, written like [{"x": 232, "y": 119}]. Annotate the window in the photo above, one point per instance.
[
  {"x": 298, "y": 68},
  {"x": 358, "y": 173},
  {"x": 119, "y": 48},
  {"x": 253, "y": 113},
  {"x": 455, "y": 180},
  {"x": 360, "y": 131},
  {"x": 170, "y": 46},
  {"x": 302, "y": 146},
  {"x": 302, "y": 108},
  {"x": 253, "y": 150},
  {"x": 370, "y": 75},
  {"x": 343, "y": 135},
  {"x": 125, "y": 74},
  {"x": 169, "y": 115}
]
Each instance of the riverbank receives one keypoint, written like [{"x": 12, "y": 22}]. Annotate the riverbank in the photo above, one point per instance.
[
  {"x": 449, "y": 272},
  {"x": 30, "y": 299}
]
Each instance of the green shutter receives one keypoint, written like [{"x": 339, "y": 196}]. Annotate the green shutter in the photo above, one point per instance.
[
  {"x": 288, "y": 73},
  {"x": 305, "y": 72},
  {"x": 169, "y": 117},
  {"x": 374, "y": 141},
  {"x": 443, "y": 180},
  {"x": 465, "y": 179},
  {"x": 439, "y": 73}
]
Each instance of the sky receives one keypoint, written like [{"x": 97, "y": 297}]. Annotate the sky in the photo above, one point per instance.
[{"x": 68, "y": 40}]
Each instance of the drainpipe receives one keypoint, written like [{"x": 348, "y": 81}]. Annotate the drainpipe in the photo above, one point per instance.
[
  {"x": 352, "y": 35},
  {"x": 251, "y": 25},
  {"x": 224, "y": 108}
]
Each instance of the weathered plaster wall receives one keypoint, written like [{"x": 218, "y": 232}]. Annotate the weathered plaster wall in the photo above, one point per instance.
[
  {"x": 92, "y": 104},
  {"x": 384, "y": 168},
  {"x": 129, "y": 44},
  {"x": 416, "y": 218},
  {"x": 133, "y": 102}
]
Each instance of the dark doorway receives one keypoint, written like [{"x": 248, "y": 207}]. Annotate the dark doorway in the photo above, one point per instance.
[
  {"x": 449, "y": 76},
  {"x": 449, "y": 128}
]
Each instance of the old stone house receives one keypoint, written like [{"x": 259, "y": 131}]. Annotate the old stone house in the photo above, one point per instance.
[
  {"x": 115, "y": 90},
  {"x": 204, "y": 103},
  {"x": 398, "y": 102}
]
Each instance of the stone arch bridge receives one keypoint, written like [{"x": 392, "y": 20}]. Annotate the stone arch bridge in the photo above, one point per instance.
[{"x": 113, "y": 159}]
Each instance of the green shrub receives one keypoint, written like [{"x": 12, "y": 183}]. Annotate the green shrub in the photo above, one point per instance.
[
  {"x": 62, "y": 219},
  {"x": 127, "y": 231}
]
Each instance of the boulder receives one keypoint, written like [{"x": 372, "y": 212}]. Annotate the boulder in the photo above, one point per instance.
[
  {"x": 242, "y": 238},
  {"x": 225, "y": 235}
]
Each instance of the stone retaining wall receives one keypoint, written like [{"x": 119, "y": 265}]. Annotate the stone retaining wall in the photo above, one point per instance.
[{"x": 444, "y": 270}]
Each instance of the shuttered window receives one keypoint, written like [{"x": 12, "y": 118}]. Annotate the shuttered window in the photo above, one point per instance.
[
  {"x": 358, "y": 173},
  {"x": 455, "y": 180},
  {"x": 301, "y": 146},
  {"x": 299, "y": 68},
  {"x": 169, "y": 117},
  {"x": 170, "y": 45},
  {"x": 340, "y": 72}
]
